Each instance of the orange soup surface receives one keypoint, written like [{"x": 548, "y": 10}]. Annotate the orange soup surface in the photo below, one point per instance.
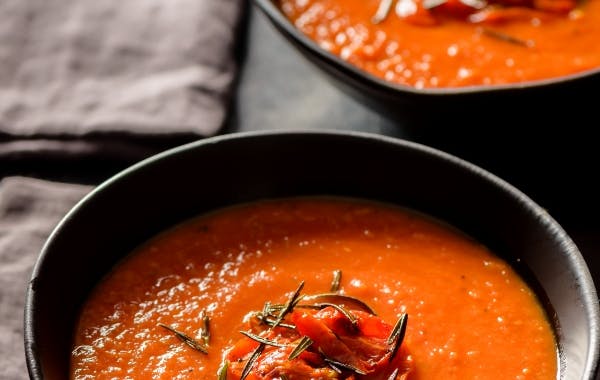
[
  {"x": 455, "y": 43},
  {"x": 313, "y": 288}
]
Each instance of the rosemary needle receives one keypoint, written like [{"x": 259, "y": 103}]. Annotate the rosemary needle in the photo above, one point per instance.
[
  {"x": 222, "y": 372},
  {"x": 337, "y": 278},
  {"x": 260, "y": 339},
  {"x": 290, "y": 305},
  {"x": 302, "y": 345},
  {"x": 507, "y": 38},
  {"x": 394, "y": 374},
  {"x": 250, "y": 362},
  {"x": 186, "y": 339},
  {"x": 205, "y": 331},
  {"x": 397, "y": 335}
]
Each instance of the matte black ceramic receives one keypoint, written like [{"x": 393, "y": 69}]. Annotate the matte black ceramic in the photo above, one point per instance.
[{"x": 166, "y": 189}]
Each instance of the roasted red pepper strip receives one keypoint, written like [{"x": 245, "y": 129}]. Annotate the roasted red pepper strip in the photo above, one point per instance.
[{"x": 363, "y": 347}]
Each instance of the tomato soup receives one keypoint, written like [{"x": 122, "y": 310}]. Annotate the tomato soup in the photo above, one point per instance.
[
  {"x": 313, "y": 288},
  {"x": 455, "y": 43}
]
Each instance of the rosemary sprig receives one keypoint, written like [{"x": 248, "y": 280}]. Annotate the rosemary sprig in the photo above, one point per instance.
[
  {"x": 270, "y": 321},
  {"x": 250, "y": 362},
  {"x": 397, "y": 335},
  {"x": 290, "y": 305},
  {"x": 273, "y": 309},
  {"x": 394, "y": 374},
  {"x": 186, "y": 339},
  {"x": 337, "y": 365},
  {"x": 507, "y": 38},
  {"x": 341, "y": 309},
  {"x": 260, "y": 339},
  {"x": 336, "y": 298},
  {"x": 205, "y": 331},
  {"x": 302, "y": 345},
  {"x": 337, "y": 278},
  {"x": 270, "y": 314},
  {"x": 222, "y": 372},
  {"x": 269, "y": 308}
]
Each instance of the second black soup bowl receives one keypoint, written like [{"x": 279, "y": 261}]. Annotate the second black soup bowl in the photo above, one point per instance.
[
  {"x": 520, "y": 106},
  {"x": 164, "y": 190}
]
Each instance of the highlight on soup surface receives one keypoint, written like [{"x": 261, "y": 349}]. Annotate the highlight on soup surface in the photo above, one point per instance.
[
  {"x": 455, "y": 43},
  {"x": 313, "y": 288}
]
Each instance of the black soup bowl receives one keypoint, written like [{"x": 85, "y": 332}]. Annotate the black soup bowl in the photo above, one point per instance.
[
  {"x": 552, "y": 101},
  {"x": 181, "y": 183}
]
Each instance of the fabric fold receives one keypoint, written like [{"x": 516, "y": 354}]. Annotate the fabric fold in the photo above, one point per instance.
[
  {"x": 133, "y": 68},
  {"x": 29, "y": 210}
]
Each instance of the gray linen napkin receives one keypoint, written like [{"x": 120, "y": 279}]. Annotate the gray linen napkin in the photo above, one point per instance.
[
  {"x": 29, "y": 210},
  {"x": 135, "y": 69},
  {"x": 85, "y": 84}
]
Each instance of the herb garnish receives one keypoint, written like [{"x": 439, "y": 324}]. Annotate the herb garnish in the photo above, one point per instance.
[
  {"x": 337, "y": 279},
  {"x": 222, "y": 372},
  {"x": 302, "y": 345},
  {"x": 397, "y": 335},
  {"x": 342, "y": 310},
  {"x": 273, "y": 316},
  {"x": 290, "y": 305},
  {"x": 260, "y": 339},
  {"x": 294, "y": 299},
  {"x": 270, "y": 314},
  {"x": 340, "y": 299},
  {"x": 394, "y": 374},
  {"x": 205, "y": 331},
  {"x": 507, "y": 38},
  {"x": 186, "y": 339},
  {"x": 251, "y": 361},
  {"x": 338, "y": 364}
]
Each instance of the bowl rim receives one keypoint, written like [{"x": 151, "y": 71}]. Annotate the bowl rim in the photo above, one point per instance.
[
  {"x": 286, "y": 27},
  {"x": 589, "y": 295}
]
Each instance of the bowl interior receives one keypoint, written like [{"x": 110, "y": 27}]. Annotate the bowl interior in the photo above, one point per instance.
[{"x": 166, "y": 189}]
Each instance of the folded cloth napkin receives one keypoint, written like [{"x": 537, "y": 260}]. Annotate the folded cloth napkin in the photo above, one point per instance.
[
  {"x": 124, "y": 69},
  {"x": 29, "y": 210},
  {"x": 85, "y": 84}
]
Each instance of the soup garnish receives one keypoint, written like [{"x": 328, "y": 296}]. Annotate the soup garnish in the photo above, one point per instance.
[{"x": 316, "y": 339}]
